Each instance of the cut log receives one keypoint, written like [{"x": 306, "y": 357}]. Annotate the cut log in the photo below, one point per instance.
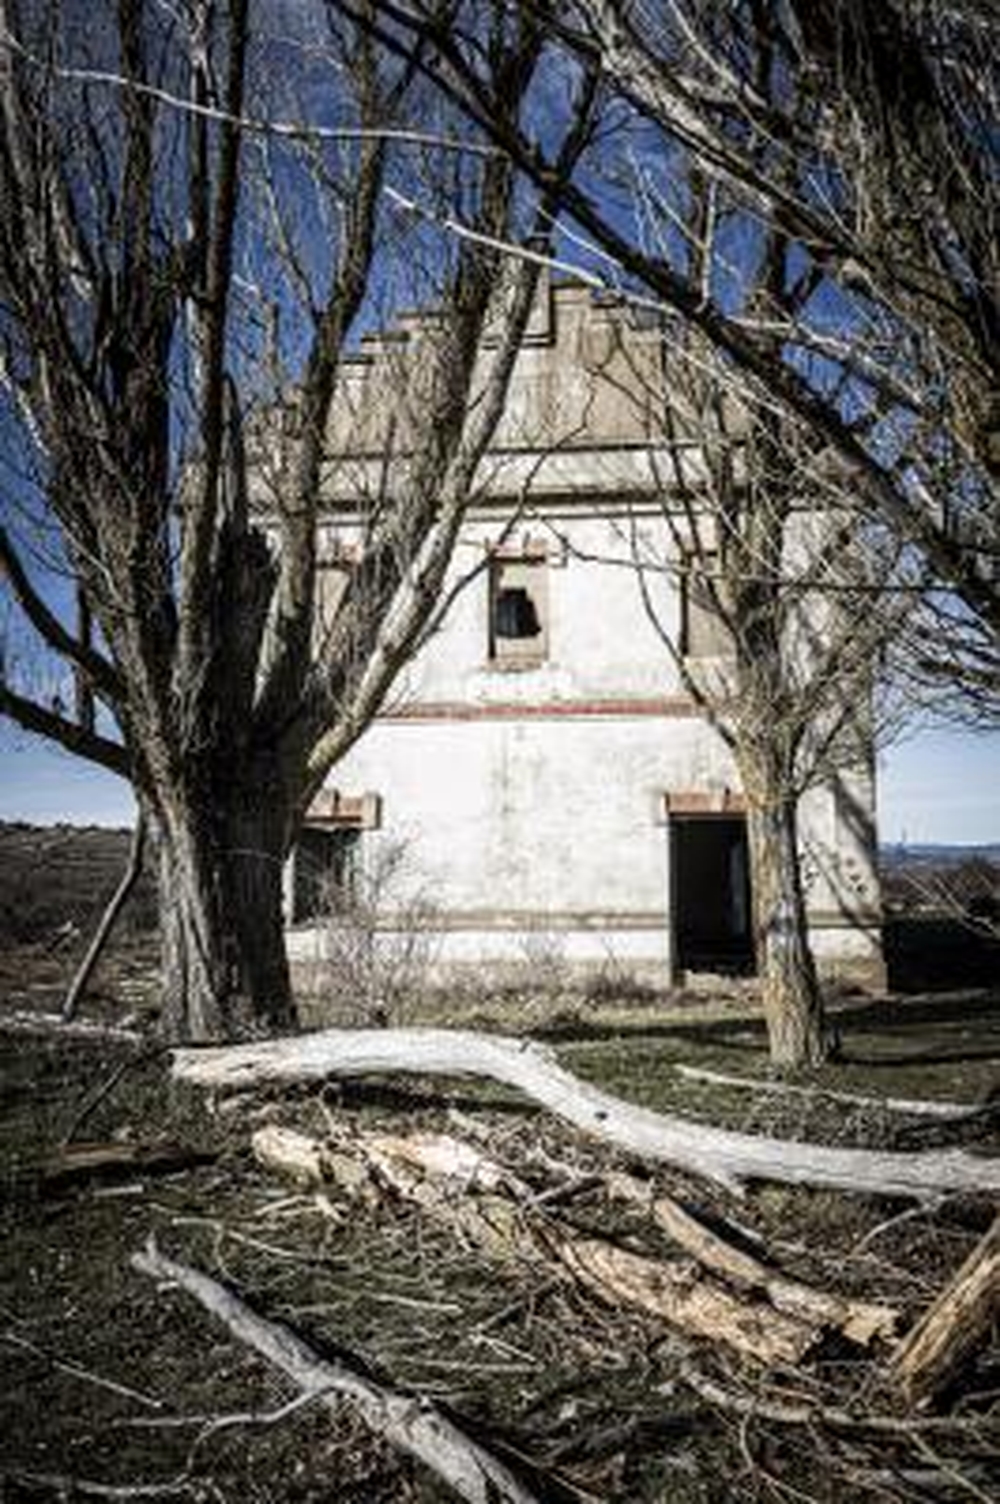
[
  {"x": 953, "y": 1326},
  {"x": 861, "y": 1321},
  {"x": 718, "y": 1154},
  {"x": 407, "y": 1422},
  {"x": 504, "y": 1228}
]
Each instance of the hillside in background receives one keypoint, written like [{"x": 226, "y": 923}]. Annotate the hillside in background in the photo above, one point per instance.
[{"x": 56, "y": 876}]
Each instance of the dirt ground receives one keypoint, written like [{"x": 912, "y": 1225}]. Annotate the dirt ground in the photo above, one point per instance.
[{"x": 112, "y": 1387}]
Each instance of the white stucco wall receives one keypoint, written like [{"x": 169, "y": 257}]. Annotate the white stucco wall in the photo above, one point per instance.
[{"x": 531, "y": 800}]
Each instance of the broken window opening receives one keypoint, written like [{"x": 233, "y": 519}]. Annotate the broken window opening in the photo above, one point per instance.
[{"x": 518, "y": 612}]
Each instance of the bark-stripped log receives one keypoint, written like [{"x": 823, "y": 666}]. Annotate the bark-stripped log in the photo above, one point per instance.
[
  {"x": 406, "y": 1421},
  {"x": 366, "y": 1165},
  {"x": 859, "y": 1320},
  {"x": 719, "y": 1154},
  {"x": 680, "y": 1294},
  {"x": 954, "y": 1325}
]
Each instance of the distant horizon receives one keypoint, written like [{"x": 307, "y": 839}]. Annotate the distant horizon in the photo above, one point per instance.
[{"x": 82, "y": 823}]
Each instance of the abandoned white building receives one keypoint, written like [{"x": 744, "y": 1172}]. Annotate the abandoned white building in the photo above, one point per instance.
[{"x": 556, "y": 793}]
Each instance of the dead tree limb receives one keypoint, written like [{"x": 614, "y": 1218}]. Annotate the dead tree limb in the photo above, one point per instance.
[
  {"x": 953, "y": 1326},
  {"x": 680, "y": 1294},
  {"x": 807, "y": 1414},
  {"x": 859, "y": 1320},
  {"x": 919, "y": 1107},
  {"x": 431, "y": 1171},
  {"x": 406, "y": 1421},
  {"x": 83, "y": 1161},
  {"x": 718, "y": 1154},
  {"x": 128, "y": 881},
  {"x": 26, "y": 1021}
]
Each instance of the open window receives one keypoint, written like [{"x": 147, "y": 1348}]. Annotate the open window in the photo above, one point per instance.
[
  {"x": 705, "y": 632},
  {"x": 518, "y": 610},
  {"x": 325, "y": 864},
  {"x": 324, "y": 870}
]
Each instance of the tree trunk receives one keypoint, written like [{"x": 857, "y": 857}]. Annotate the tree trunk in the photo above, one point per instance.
[
  {"x": 793, "y": 1006},
  {"x": 252, "y": 884},
  {"x": 194, "y": 971},
  {"x": 225, "y": 968}
]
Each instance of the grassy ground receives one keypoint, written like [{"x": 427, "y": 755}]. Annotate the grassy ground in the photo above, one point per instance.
[{"x": 111, "y": 1387}]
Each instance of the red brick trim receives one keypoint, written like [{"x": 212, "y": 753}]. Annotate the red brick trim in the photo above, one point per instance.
[
  {"x": 353, "y": 811},
  {"x": 704, "y": 802},
  {"x": 676, "y": 708}
]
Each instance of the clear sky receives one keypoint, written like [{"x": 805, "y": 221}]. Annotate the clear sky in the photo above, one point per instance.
[{"x": 939, "y": 786}]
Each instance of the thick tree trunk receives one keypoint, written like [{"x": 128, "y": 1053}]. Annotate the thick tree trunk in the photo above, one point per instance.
[
  {"x": 793, "y": 1006},
  {"x": 225, "y": 968},
  {"x": 194, "y": 970},
  {"x": 252, "y": 885}
]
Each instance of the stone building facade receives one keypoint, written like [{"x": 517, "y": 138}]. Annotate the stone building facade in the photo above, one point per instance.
[{"x": 546, "y": 788}]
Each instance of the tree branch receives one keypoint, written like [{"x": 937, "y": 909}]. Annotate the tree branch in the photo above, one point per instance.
[
  {"x": 76, "y": 739},
  {"x": 98, "y": 670}
]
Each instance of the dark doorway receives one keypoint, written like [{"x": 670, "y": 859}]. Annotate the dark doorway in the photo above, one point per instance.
[{"x": 710, "y": 893}]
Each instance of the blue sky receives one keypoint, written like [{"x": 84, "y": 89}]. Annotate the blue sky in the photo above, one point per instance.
[{"x": 939, "y": 786}]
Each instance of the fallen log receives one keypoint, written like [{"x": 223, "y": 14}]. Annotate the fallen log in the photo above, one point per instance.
[
  {"x": 861, "y": 1321},
  {"x": 504, "y": 1228},
  {"x": 27, "y": 1021},
  {"x": 406, "y": 1421},
  {"x": 718, "y": 1154},
  {"x": 953, "y": 1326},
  {"x": 111, "y": 1158},
  {"x": 363, "y": 1166}
]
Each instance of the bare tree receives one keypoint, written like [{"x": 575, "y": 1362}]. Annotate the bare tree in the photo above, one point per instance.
[
  {"x": 195, "y": 227},
  {"x": 791, "y": 590},
  {"x": 864, "y": 132}
]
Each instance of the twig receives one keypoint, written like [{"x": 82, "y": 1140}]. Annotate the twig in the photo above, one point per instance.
[
  {"x": 810, "y": 1415},
  {"x": 104, "y": 1090},
  {"x": 68, "y": 1486},
  {"x": 76, "y": 1372},
  {"x": 406, "y": 1421}
]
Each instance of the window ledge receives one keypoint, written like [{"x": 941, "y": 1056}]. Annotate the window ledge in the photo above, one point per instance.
[{"x": 514, "y": 666}]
